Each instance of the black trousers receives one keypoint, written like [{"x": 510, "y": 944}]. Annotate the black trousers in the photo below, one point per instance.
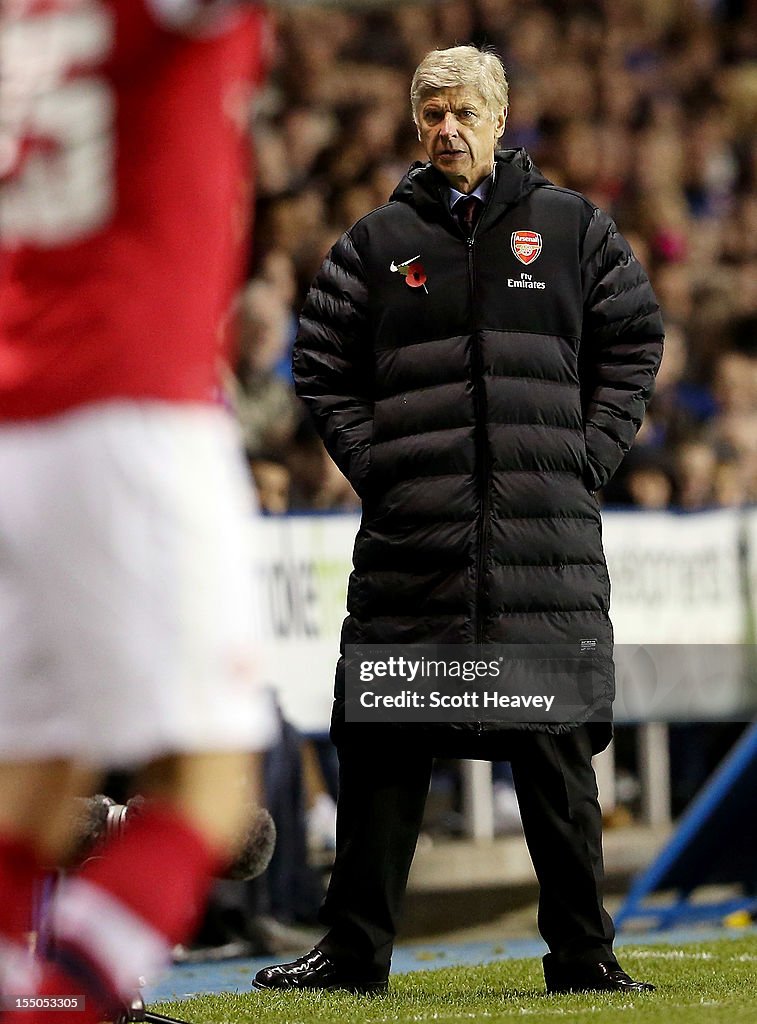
[{"x": 382, "y": 794}]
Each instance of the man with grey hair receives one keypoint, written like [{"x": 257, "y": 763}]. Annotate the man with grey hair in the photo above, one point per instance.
[
  {"x": 469, "y": 85},
  {"x": 477, "y": 355}
]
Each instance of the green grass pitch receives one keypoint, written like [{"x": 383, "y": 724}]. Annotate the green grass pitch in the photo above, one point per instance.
[{"x": 712, "y": 982}]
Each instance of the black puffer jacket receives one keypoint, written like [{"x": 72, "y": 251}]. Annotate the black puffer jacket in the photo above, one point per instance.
[{"x": 475, "y": 411}]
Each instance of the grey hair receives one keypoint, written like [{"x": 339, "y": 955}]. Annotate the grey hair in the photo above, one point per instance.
[{"x": 461, "y": 66}]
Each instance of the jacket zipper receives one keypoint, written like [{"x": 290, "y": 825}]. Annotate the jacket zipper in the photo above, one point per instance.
[{"x": 481, "y": 449}]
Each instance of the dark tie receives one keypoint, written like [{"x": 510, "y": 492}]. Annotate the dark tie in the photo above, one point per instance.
[{"x": 467, "y": 211}]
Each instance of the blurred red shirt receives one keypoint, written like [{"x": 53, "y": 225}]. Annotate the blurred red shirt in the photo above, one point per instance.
[{"x": 124, "y": 196}]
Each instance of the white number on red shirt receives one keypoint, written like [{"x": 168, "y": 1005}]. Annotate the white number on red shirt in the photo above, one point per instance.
[{"x": 56, "y": 124}]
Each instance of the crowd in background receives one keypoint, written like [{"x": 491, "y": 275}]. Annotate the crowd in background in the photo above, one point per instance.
[{"x": 649, "y": 107}]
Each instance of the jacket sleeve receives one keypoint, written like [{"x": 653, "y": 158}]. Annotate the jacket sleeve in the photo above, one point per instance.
[
  {"x": 621, "y": 347},
  {"x": 332, "y": 365}
]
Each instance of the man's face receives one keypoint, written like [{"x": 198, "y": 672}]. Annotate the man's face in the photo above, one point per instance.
[{"x": 459, "y": 135}]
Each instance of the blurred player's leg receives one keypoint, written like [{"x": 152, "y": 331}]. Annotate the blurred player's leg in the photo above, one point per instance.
[
  {"x": 119, "y": 917},
  {"x": 148, "y": 657},
  {"x": 214, "y": 790},
  {"x": 35, "y": 803}
]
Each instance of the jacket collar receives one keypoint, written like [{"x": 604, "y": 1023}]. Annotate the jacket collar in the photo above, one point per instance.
[{"x": 427, "y": 189}]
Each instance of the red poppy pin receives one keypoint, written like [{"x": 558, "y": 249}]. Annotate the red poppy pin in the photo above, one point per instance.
[{"x": 413, "y": 272}]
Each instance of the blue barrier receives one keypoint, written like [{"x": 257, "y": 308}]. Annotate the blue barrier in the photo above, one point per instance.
[{"x": 715, "y": 843}]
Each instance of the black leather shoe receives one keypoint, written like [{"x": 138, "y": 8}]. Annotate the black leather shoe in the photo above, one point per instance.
[
  {"x": 315, "y": 971},
  {"x": 600, "y": 977}
]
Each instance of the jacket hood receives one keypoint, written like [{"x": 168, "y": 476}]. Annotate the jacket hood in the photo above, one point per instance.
[{"x": 517, "y": 175}]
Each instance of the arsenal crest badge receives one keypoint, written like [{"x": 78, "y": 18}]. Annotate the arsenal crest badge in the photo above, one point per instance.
[{"x": 526, "y": 245}]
